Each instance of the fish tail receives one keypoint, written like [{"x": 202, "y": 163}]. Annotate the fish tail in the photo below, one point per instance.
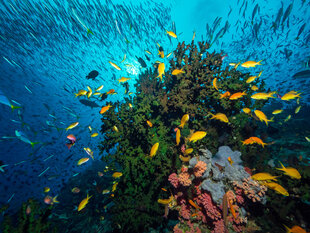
[
  {"x": 15, "y": 107},
  {"x": 258, "y": 63},
  {"x": 288, "y": 230},
  {"x": 34, "y": 143},
  {"x": 55, "y": 199},
  {"x": 272, "y": 93},
  {"x": 76, "y": 95}
]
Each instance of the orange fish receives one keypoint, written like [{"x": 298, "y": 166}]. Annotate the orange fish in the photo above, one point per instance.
[
  {"x": 149, "y": 123},
  {"x": 193, "y": 204},
  {"x": 237, "y": 95},
  {"x": 104, "y": 109},
  {"x": 253, "y": 140},
  {"x": 295, "y": 229},
  {"x": 226, "y": 94},
  {"x": 110, "y": 92}
]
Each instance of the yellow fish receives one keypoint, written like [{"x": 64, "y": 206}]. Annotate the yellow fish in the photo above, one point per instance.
[
  {"x": 123, "y": 79},
  {"x": 82, "y": 160},
  {"x": 165, "y": 201},
  {"x": 114, "y": 65},
  {"x": 277, "y": 111},
  {"x": 169, "y": 54},
  {"x": 290, "y": 171},
  {"x": 72, "y": 126},
  {"x": 260, "y": 73},
  {"x": 97, "y": 93},
  {"x": 215, "y": 84},
  {"x": 188, "y": 151},
  {"x": 83, "y": 203},
  {"x": 117, "y": 174},
  {"x": 161, "y": 53},
  {"x": 290, "y": 95},
  {"x": 308, "y": 139},
  {"x": 161, "y": 70},
  {"x": 288, "y": 118},
  {"x": 297, "y": 109},
  {"x": 254, "y": 88},
  {"x": 261, "y": 116},
  {"x": 172, "y": 34},
  {"x": 236, "y": 65},
  {"x": 263, "y": 96},
  {"x": 80, "y": 93},
  {"x": 197, "y": 136},
  {"x": 177, "y": 71},
  {"x": 124, "y": 58},
  {"x": 105, "y": 191},
  {"x": 178, "y": 136},
  {"x": 251, "y": 79},
  {"x": 230, "y": 160},
  {"x": 249, "y": 64},
  {"x": 148, "y": 52},
  {"x": 154, "y": 150},
  {"x": 115, "y": 128},
  {"x": 89, "y": 152},
  {"x": 184, "y": 119},
  {"x": 46, "y": 189},
  {"x": 276, "y": 187},
  {"x": 94, "y": 135},
  {"x": 149, "y": 123},
  {"x": 246, "y": 110},
  {"x": 263, "y": 176},
  {"x": 220, "y": 116},
  {"x": 114, "y": 186}
]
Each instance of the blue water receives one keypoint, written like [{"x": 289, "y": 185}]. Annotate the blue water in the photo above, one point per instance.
[{"x": 46, "y": 54}]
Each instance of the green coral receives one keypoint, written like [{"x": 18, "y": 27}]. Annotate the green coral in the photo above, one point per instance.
[
  {"x": 31, "y": 219},
  {"x": 164, "y": 103}
]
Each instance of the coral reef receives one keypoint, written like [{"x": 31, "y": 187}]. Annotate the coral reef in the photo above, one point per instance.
[{"x": 163, "y": 103}]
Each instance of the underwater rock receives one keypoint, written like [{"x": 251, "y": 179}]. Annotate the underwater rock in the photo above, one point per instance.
[
  {"x": 223, "y": 153},
  {"x": 215, "y": 188}
]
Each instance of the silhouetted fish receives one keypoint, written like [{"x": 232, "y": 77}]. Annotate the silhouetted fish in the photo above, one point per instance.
[
  {"x": 141, "y": 61},
  {"x": 89, "y": 103},
  {"x": 302, "y": 74},
  {"x": 92, "y": 75}
]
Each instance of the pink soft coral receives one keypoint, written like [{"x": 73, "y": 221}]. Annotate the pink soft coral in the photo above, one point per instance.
[
  {"x": 219, "y": 227},
  {"x": 211, "y": 209},
  {"x": 200, "y": 168},
  {"x": 173, "y": 178}
]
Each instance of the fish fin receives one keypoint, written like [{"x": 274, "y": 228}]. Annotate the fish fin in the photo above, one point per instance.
[
  {"x": 282, "y": 165},
  {"x": 34, "y": 143},
  {"x": 15, "y": 107},
  {"x": 258, "y": 63}
]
